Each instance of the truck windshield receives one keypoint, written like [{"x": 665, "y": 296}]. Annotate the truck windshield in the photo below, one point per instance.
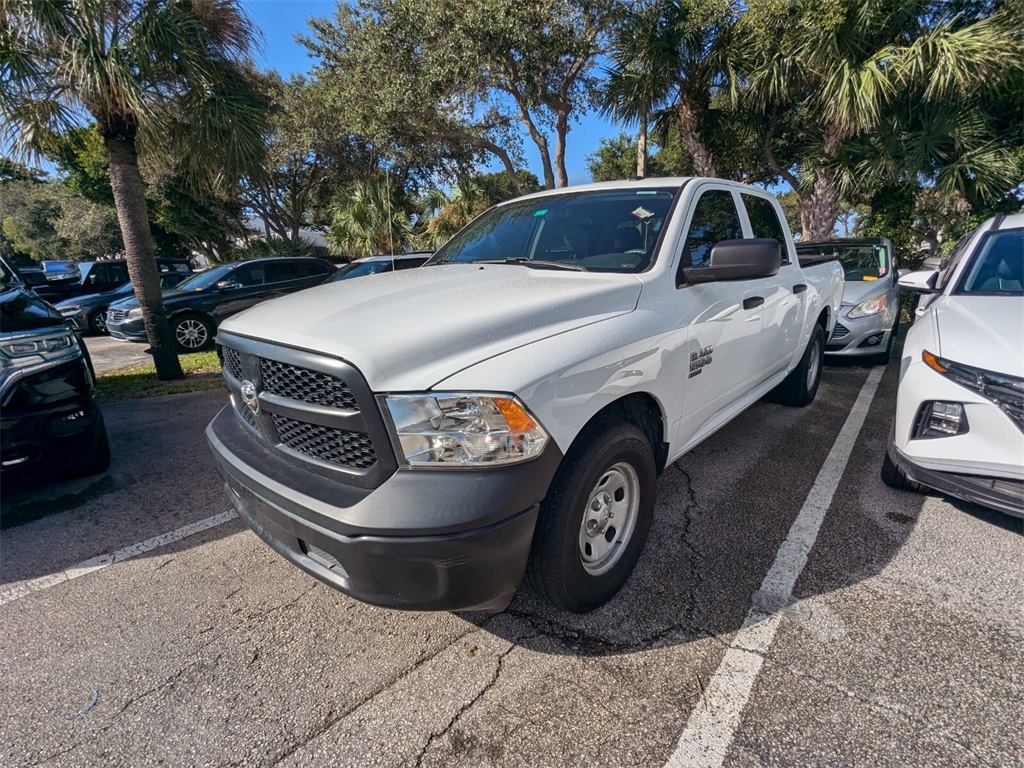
[{"x": 601, "y": 231}]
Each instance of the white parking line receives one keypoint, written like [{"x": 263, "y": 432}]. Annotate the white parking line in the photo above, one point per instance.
[
  {"x": 98, "y": 563},
  {"x": 713, "y": 723}
]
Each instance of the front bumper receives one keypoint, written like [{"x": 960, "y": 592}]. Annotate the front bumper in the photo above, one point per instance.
[
  {"x": 127, "y": 330},
  {"x": 50, "y": 422},
  {"x": 861, "y": 336},
  {"x": 984, "y": 465},
  {"x": 422, "y": 540},
  {"x": 994, "y": 492}
]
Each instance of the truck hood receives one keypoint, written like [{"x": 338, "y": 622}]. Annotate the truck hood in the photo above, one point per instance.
[
  {"x": 983, "y": 331},
  {"x": 410, "y": 329}
]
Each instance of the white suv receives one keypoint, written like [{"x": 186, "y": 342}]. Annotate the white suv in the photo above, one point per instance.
[{"x": 959, "y": 425}]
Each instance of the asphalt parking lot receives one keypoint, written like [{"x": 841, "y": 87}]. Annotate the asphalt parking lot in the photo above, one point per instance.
[{"x": 789, "y": 609}]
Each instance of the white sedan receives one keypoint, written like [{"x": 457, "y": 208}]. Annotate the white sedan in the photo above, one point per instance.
[{"x": 959, "y": 425}]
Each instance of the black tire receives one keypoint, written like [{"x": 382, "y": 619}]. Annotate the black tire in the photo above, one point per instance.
[
  {"x": 99, "y": 453},
  {"x": 98, "y": 322},
  {"x": 605, "y": 455},
  {"x": 799, "y": 388},
  {"x": 893, "y": 475},
  {"x": 192, "y": 333},
  {"x": 883, "y": 358}
]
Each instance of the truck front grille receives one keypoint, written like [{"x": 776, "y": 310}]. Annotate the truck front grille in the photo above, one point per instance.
[
  {"x": 305, "y": 385},
  {"x": 310, "y": 409},
  {"x": 338, "y": 446}
]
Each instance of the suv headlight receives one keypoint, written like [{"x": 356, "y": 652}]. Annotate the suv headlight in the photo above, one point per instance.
[
  {"x": 1006, "y": 392},
  {"x": 26, "y": 350},
  {"x": 134, "y": 313},
  {"x": 871, "y": 306},
  {"x": 464, "y": 429}
]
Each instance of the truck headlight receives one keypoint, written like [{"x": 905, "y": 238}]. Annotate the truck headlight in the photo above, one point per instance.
[
  {"x": 871, "y": 306},
  {"x": 464, "y": 429}
]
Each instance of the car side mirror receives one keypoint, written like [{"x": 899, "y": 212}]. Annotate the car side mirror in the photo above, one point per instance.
[
  {"x": 738, "y": 260},
  {"x": 920, "y": 282},
  {"x": 901, "y": 273},
  {"x": 225, "y": 285}
]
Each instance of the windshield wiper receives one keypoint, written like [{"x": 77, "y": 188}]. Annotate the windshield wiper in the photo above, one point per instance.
[{"x": 539, "y": 264}]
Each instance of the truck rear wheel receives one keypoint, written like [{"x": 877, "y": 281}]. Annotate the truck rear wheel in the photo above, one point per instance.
[
  {"x": 799, "y": 388},
  {"x": 595, "y": 520}
]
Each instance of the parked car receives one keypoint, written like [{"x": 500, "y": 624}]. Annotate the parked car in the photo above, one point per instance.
[
  {"x": 959, "y": 425},
  {"x": 414, "y": 439},
  {"x": 51, "y": 424},
  {"x": 102, "y": 276},
  {"x": 375, "y": 264},
  {"x": 197, "y": 305},
  {"x": 870, "y": 317},
  {"x": 88, "y": 314}
]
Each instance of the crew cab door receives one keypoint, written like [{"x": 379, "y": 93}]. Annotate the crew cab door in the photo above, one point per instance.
[
  {"x": 723, "y": 320},
  {"x": 784, "y": 295}
]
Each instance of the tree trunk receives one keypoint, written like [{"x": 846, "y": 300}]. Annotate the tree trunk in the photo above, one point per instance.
[
  {"x": 641, "y": 148},
  {"x": 820, "y": 208},
  {"x": 561, "y": 130},
  {"x": 130, "y": 200},
  {"x": 689, "y": 131}
]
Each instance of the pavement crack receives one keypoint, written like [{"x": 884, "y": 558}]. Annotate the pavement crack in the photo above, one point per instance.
[
  {"x": 334, "y": 718},
  {"x": 434, "y": 736}
]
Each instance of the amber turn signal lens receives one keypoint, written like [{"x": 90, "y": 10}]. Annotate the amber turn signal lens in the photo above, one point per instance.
[
  {"x": 518, "y": 420},
  {"x": 933, "y": 362}
]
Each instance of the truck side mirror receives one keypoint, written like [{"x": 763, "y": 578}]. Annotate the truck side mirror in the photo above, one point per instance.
[{"x": 738, "y": 260}]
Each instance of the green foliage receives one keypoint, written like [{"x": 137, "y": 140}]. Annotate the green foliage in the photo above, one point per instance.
[
  {"x": 444, "y": 84},
  {"x": 370, "y": 218},
  {"x": 261, "y": 247}
]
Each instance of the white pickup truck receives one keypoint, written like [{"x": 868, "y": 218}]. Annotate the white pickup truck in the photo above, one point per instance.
[{"x": 421, "y": 439}]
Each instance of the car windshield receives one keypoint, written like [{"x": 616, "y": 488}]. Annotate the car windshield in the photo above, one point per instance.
[
  {"x": 606, "y": 231},
  {"x": 359, "y": 270},
  {"x": 862, "y": 262},
  {"x": 123, "y": 290},
  {"x": 997, "y": 268},
  {"x": 206, "y": 279}
]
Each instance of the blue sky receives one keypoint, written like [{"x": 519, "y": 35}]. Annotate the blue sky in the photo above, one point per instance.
[{"x": 280, "y": 20}]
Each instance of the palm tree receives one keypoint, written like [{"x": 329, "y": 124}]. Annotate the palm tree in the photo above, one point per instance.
[
  {"x": 370, "y": 219},
  {"x": 858, "y": 68},
  {"x": 441, "y": 215},
  {"x": 672, "y": 52},
  {"x": 151, "y": 74}
]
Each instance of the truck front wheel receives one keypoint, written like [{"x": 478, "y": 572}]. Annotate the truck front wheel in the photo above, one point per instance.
[{"x": 594, "y": 522}]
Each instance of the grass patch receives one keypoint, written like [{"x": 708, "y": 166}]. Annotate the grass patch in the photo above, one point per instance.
[{"x": 202, "y": 371}]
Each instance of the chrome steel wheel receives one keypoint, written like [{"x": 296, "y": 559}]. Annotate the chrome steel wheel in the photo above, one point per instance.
[
  {"x": 814, "y": 364},
  {"x": 609, "y": 518},
  {"x": 191, "y": 333}
]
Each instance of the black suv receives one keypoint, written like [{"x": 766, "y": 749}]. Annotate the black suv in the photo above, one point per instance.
[
  {"x": 93, "y": 277},
  {"x": 51, "y": 425},
  {"x": 196, "y": 306}
]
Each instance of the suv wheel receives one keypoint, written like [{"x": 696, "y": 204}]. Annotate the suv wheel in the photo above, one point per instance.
[{"x": 98, "y": 322}]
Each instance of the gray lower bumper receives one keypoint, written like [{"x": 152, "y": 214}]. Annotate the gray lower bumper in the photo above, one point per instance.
[{"x": 993, "y": 492}]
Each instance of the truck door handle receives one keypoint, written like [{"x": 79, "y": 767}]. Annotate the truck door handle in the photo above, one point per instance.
[
  {"x": 799, "y": 288},
  {"x": 753, "y": 301}
]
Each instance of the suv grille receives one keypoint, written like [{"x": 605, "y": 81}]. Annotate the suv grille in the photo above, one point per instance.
[
  {"x": 115, "y": 315},
  {"x": 314, "y": 387},
  {"x": 338, "y": 446}
]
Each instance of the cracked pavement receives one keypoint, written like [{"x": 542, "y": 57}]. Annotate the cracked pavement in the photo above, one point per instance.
[{"x": 903, "y": 648}]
